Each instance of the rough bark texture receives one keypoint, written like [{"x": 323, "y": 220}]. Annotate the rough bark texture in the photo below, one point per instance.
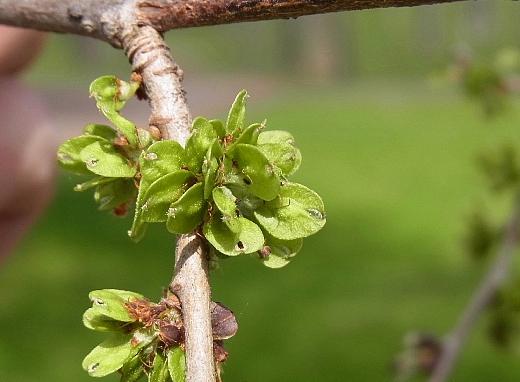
[
  {"x": 170, "y": 14},
  {"x": 100, "y": 18},
  {"x": 162, "y": 77},
  {"x": 483, "y": 296},
  {"x": 95, "y": 18}
]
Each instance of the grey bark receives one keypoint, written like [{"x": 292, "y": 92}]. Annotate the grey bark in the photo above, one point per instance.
[{"x": 100, "y": 18}]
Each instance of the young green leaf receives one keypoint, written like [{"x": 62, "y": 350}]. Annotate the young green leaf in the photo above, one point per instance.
[
  {"x": 101, "y": 131},
  {"x": 248, "y": 238},
  {"x": 279, "y": 147},
  {"x": 276, "y": 137},
  {"x": 111, "y": 303},
  {"x": 111, "y": 95},
  {"x": 284, "y": 156},
  {"x": 177, "y": 364},
  {"x": 103, "y": 159},
  {"x": 132, "y": 370},
  {"x": 94, "y": 182},
  {"x": 113, "y": 194},
  {"x": 185, "y": 214},
  {"x": 281, "y": 251},
  {"x": 236, "y": 116},
  {"x": 93, "y": 320},
  {"x": 219, "y": 127},
  {"x": 297, "y": 212},
  {"x": 210, "y": 167},
  {"x": 160, "y": 372},
  {"x": 258, "y": 174},
  {"x": 225, "y": 201},
  {"x": 109, "y": 356},
  {"x": 250, "y": 134},
  {"x": 202, "y": 138},
  {"x": 161, "y": 158},
  {"x": 69, "y": 153},
  {"x": 163, "y": 192}
]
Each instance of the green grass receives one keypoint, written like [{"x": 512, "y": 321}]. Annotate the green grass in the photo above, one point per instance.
[{"x": 398, "y": 178}]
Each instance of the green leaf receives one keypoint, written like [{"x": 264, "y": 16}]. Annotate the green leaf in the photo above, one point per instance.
[
  {"x": 225, "y": 201},
  {"x": 138, "y": 230},
  {"x": 132, "y": 370},
  {"x": 248, "y": 238},
  {"x": 297, "y": 212},
  {"x": 258, "y": 174},
  {"x": 101, "y": 131},
  {"x": 186, "y": 214},
  {"x": 281, "y": 251},
  {"x": 111, "y": 303},
  {"x": 103, "y": 159},
  {"x": 69, "y": 153},
  {"x": 109, "y": 356},
  {"x": 236, "y": 116},
  {"x": 145, "y": 138},
  {"x": 210, "y": 167},
  {"x": 279, "y": 147},
  {"x": 202, "y": 138},
  {"x": 250, "y": 134},
  {"x": 161, "y": 158},
  {"x": 160, "y": 372},
  {"x": 219, "y": 127},
  {"x": 284, "y": 156},
  {"x": 276, "y": 136},
  {"x": 163, "y": 192},
  {"x": 94, "y": 182},
  {"x": 111, "y": 95},
  {"x": 113, "y": 194},
  {"x": 93, "y": 320},
  {"x": 177, "y": 364}
]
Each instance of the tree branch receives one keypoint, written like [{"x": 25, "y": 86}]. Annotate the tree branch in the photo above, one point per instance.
[
  {"x": 483, "y": 296},
  {"x": 164, "y": 15},
  {"x": 100, "y": 18},
  {"x": 151, "y": 58}
]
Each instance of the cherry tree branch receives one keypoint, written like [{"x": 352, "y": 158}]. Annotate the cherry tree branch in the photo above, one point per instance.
[
  {"x": 162, "y": 77},
  {"x": 100, "y": 18},
  {"x": 482, "y": 297},
  {"x": 171, "y": 14}
]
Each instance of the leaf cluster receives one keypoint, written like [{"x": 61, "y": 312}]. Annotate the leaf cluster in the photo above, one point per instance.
[
  {"x": 230, "y": 183},
  {"x": 146, "y": 340}
]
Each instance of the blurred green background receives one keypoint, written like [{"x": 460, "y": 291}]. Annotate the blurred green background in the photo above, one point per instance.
[{"x": 392, "y": 157}]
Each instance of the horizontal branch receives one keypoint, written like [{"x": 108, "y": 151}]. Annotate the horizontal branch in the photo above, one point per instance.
[
  {"x": 164, "y": 15},
  {"x": 101, "y": 18}
]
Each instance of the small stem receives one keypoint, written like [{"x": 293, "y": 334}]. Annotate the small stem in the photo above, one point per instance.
[
  {"x": 162, "y": 78},
  {"x": 483, "y": 296}
]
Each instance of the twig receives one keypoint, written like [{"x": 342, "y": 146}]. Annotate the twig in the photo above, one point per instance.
[
  {"x": 483, "y": 296},
  {"x": 151, "y": 58}
]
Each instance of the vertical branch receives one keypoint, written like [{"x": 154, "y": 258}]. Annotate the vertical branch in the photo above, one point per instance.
[
  {"x": 481, "y": 299},
  {"x": 162, "y": 78}
]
